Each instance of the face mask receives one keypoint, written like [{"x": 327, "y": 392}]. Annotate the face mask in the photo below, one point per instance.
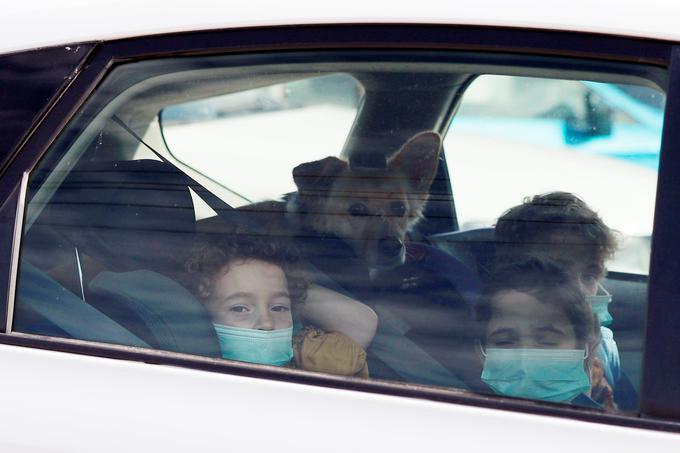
[
  {"x": 600, "y": 303},
  {"x": 267, "y": 347},
  {"x": 555, "y": 375}
]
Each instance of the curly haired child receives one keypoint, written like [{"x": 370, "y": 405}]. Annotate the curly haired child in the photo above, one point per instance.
[{"x": 253, "y": 285}]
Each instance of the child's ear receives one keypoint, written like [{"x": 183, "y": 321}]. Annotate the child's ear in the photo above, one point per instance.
[
  {"x": 591, "y": 352},
  {"x": 480, "y": 350},
  {"x": 418, "y": 160},
  {"x": 204, "y": 288}
]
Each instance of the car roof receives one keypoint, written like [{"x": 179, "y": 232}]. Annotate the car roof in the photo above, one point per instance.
[{"x": 38, "y": 23}]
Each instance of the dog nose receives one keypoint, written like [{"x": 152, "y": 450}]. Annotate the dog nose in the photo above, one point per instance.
[{"x": 390, "y": 246}]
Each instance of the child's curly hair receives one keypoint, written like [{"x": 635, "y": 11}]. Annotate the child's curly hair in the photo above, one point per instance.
[
  {"x": 552, "y": 220},
  {"x": 209, "y": 257}
]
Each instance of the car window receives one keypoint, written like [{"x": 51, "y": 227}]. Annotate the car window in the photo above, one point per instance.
[
  {"x": 513, "y": 131},
  {"x": 267, "y": 209},
  {"x": 280, "y": 124}
]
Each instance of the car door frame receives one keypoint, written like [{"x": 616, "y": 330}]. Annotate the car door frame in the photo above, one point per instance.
[{"x": 660, "y": 402}]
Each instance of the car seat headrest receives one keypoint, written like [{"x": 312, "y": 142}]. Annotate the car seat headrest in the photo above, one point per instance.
[{"x": 126, "y": 214}]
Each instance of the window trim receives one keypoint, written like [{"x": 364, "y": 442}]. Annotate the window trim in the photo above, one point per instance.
[
  {"x": 16, "y": 251},
  {"x": 663, "y": 315},
  {"x": 559, "y": 44}
]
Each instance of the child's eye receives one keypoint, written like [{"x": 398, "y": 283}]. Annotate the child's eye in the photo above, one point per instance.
[
  {"x": 502, "y": 343},
  {"x": 238, "y": 309},
  {"x": 281, "y": 308},
  {"x": 591, "y": 278}
]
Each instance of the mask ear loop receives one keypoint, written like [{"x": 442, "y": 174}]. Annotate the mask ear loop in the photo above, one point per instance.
[
  {"x": 604, "y": 290},
  {"x": 481, "y": 348},
  {"x": 586, "y": 365}
]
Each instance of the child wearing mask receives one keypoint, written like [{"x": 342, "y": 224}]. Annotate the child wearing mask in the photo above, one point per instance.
[
  {"x": 252, "y": 286},
  {"x": 561, "y": 227},
  {"x": 538, "y": 336}
]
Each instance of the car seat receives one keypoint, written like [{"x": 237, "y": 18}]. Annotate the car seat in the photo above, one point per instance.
[
  {"x": 157, "y": 309},
  {"x": 475, "y": 248},
  {"x": 126, "y": 214},
  {"x": 44, "y": 307},
  {"x": 124, "y": 230}
]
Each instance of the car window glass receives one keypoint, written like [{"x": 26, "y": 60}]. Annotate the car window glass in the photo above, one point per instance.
[
  {"x": 513, "y": 131},
  {"x": 280, "y": 124},
  {"x": 277, "y": 210}
]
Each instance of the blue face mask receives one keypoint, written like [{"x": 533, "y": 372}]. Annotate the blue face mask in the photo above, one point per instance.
[
  {"x": 555, "y": 375},
  {"x": 267, "y": 347},
  {"x": 600, "y": 303}
]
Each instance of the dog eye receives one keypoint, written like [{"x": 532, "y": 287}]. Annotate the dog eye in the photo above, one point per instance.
[
  {"x": 358, "y": 209},
  {"x": 398, "y": 208}
]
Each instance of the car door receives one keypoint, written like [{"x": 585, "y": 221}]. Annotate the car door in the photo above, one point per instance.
[{"x": 125, "y": 166}]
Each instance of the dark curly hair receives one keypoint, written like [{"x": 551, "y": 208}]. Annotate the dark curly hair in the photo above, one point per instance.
[
  {"x": 549, "y": 284},
  {"x": 552, "y": 220},
  {"x": 209, "y": 257}
]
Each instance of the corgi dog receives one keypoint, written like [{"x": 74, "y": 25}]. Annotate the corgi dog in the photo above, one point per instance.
[{"x": 370, "y": 202}]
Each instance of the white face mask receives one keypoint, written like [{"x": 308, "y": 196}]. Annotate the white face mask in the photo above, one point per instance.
[{"x": 600, "y": 304}]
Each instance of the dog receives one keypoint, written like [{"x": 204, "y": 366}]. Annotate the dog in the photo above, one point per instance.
[{"x": 370, "y": 202}]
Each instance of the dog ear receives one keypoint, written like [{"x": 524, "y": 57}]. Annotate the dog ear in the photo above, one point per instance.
[
  {"x": 318, "y": 175},
  {"x": 418, "y": 159}
]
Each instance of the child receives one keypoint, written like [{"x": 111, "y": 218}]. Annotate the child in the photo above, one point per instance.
[
  {"x": 559, "y": 226},
  {"x": 537, "y": 335},
  {"x": 251, "y": 286}
]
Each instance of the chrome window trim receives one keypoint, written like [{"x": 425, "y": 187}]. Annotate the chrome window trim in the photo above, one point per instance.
[{"x": 16, "y": 249}]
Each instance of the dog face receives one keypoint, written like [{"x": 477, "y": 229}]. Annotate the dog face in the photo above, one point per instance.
[{"x": 369, "y": 204}]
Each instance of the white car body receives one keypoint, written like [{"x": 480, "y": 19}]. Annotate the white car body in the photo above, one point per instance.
[
  {"x": 67, "y": 402},
  {"x": 45, "y": 23}
]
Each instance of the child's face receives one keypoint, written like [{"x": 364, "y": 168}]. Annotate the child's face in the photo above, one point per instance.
[
  {"x": 580, "y": 262},
  {"x": 587, "y": 273},
  {"x": 519, "y": 320},
  {"x": 251, "y": 294}
]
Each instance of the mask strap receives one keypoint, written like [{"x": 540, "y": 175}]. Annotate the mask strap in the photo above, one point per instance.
[
  {"x": 603, "y": 289},
  {"x": 481, "y": 348}
]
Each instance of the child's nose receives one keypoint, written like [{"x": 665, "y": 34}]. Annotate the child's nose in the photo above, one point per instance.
[
  {"x": 527, "y": 343},
  {"x": 265, "y": 321}
]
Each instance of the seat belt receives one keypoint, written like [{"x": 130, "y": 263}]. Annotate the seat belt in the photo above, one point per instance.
[{"x": 405, "y": 357}]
